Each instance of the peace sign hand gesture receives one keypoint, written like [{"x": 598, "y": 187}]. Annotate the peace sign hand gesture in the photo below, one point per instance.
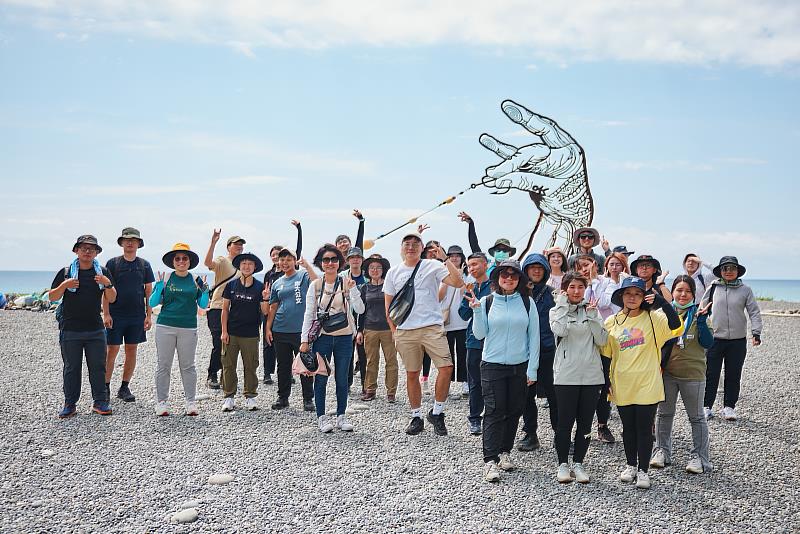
[
  {"x": 474, "y": 303},
  {"x": 161, "y": 275}
]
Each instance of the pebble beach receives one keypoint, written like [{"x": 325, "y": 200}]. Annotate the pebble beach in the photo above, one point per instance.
[{"x": 268, "y": 471}]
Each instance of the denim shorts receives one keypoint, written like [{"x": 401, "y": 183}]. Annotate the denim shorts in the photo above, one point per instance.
[{"x": 129, "y": 330}]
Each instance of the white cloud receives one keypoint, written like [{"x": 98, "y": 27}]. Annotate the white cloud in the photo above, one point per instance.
[
  {"x": 138, "y": 189},
  {"x": 250, "y": 180},
  {"x": 700, "y": 32}
]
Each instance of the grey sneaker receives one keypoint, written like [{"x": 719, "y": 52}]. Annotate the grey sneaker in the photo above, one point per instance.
[
  {"x": 659, "y": 459},
  {"x": 628, "y": 473},
  {"x": 506, "y": 464},
  {"x": 642, "y": 480},
  {"x": 343, "y": 423},
  {"x": 580, "y": 474},
  {"x": 491, "y": 472},
  {"x": 564, "y": 475},
  {"x": 325, "y": 424},
  {"x": 695, "y": 466}
]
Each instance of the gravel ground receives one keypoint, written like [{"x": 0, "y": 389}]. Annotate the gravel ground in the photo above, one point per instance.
[{"x": 131, "y": 471}]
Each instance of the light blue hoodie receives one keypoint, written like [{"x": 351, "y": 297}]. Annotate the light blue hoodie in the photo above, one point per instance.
[{"x": 511, "y": 335}]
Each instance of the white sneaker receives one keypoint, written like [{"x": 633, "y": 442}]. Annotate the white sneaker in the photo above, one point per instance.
[
  {"x": 580, "y": 474},
  {"x": 695, "y": 466},
  {"x": 325, "y": 424},
  {"x": 659, "y": 459},
  {"x": 191, "y": 408},
  {"x": 564, "y": 475},
  {"x": 162, "y": 408},
  {"x": 729, "y": 414},
  {"x": 343, "y": 423},
  {"x": 251, "y": 404},
  {"x": 506, "y": 464},
  {"x": 708, "y": 412},
  {"x": 642, "y": 480},
  {"x": 464, "y": 389},
  {"x": 228, "y": 405},
  {"x": 628, "y": 474},
  {"x": 491, "y": 472}
]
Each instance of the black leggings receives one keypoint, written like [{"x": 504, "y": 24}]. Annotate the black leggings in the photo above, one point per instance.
[
  {"x": 603, "y": 409},
  {"x": 457, "y": 339},
  {"x": 637, "y": 433},
  {"x": 575, "y": 403},
  {"x": 361, "y": 362}
]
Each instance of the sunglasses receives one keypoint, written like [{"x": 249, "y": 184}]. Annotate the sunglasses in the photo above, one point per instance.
[
  {"x": 586, "y": 236},
  {"x": 645, "y": 266},
  {"x": 729, "y": 268},
  {"x": 87, "y": 249},
  {"x": 514, "y": 275},
  {"x": 330, "y": 259},
  {"x": 181, "y": 258}
]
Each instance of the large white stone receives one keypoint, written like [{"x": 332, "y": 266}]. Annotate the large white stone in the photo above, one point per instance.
[
  {"x": 220, "y": 478},
  {"x": 47, "y": 453},
  {"x": 184, "y": 516}
]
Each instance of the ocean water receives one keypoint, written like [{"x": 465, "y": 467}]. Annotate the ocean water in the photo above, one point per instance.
[{"x": 35, "y": 281}]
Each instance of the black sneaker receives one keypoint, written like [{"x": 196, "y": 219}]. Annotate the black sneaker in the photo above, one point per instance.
[
  {"x": 438, "y": 423},
  {"x": 268, "y": 379},
  {"x": 604, "y": 434},
  {"x": 125, "y": 394},
  {"x": 308, "y": 405},
  {"x": 415, "y": 426},
  {"x": 475, "y": 428},
  {"x": 280, "y": 404},
  {"x": 530, "y": 442},
  {"x": 212, "y": 381}
]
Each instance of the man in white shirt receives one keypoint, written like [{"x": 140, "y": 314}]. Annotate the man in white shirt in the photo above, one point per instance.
[{"x": 423, "y": 328}]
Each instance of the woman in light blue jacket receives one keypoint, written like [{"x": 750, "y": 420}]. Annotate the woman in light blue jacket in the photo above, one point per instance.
[{"x": 508, "y": 322}]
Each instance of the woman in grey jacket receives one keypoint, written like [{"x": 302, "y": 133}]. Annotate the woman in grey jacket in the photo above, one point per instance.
[
  {"x": 731, "y": 304},
  {"x": 577, "y": 371}
]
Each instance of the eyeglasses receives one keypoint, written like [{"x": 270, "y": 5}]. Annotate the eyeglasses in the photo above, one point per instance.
[
  {"x": 87, "y": 249},
  {"x": 645, "y": 266},
  {"x": 330, "y": 259},
  {"x": 514, "y": 275},
  {"x": 729, "y": 268},
  {"x": 586, "y": 236}
]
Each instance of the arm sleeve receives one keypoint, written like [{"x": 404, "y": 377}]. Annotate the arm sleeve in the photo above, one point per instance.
[
  {"x": 299, "y": 249},
  {"x": 360, "y": 235},
  {"x": 464, "y": 311},
  {"x": 599, "y": 333},
  {"x": 704, "y": 335},
  {"x": 673, "y": 320},
  {"x": 480, "y": 326},
  {"x": 311, "y": 310},
  {"x": 533, "y": 343},
  {"x": 472, "y": 236},
  {"x": 558, "y": 317},
  {"x": 355, "y": 300},
  {"x": 755, "y": 313},
  {"x": 202, "y": 300},
  {"x": 155, "y": 296}
]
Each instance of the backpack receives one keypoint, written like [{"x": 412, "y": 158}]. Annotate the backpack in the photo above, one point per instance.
[
  {"x": 490, "y": 298},
  {"x": 113, "y": 265},
  {"x": 60, "y": 308}
]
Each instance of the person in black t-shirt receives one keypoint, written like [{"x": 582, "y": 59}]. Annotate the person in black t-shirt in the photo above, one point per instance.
[
  {"x": 130, "y": 316},
  {"x": 243, "y": 302},
  {"x": 83, "y": 285}
]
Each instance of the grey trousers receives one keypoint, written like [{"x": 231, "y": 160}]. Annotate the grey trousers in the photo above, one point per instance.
[
  {"x": 171, "y": 339},
  {"x": 692, "y": 396}
]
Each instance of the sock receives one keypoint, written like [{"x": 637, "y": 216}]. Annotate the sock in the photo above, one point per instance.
[
  {"x": 416, "y": 412},
  {"x": 438, "y": 407},
  {"x": 125, "y": 384}
]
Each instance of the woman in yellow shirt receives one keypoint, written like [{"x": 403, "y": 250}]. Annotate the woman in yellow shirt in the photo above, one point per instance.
[{"x": 635, "y": 337}]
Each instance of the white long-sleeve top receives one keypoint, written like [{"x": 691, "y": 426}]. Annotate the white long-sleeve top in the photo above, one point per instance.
[{"x": 343, "y": 301}]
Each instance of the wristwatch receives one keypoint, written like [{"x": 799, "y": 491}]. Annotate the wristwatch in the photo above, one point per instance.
[{"x": 109, "y": 286}]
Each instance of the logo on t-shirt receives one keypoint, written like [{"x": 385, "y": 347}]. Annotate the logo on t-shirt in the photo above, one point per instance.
[{"x": 631, "y": 338}]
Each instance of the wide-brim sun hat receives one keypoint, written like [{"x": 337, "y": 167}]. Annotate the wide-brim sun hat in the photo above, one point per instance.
[
  {"x": 504, "y": 243},
  {"x": 576, "y": 240},
  {"x": 87, "y": 239},
  {"x": 130, "y": 233},
  {"x": 455, "y": 249},
  {"x": 630, "y": 281},
  {"x": 248, "y": 256},
  {"x": 508, "y": 264},
  {"x": 169, "y": 257},
  {"x": 729, "y": 260},
  {"x": 369, "y": 261},
  {"x": 643, "y": 258}
]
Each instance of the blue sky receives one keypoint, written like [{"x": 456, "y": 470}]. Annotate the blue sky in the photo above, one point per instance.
[{"x": 177, "y": 118}]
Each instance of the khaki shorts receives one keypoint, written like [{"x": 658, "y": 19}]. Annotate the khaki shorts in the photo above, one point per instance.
[{"x": 412, "y": 344}]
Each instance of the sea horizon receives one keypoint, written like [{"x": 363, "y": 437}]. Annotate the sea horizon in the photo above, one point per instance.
[{"x": 26, "y": 282}]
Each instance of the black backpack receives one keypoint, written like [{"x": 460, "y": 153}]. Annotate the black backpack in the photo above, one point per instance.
[{"x": 490, "y": 298}]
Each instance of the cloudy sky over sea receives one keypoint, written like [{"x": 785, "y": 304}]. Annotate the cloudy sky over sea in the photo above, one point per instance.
[{"x": 177, "y": 117}]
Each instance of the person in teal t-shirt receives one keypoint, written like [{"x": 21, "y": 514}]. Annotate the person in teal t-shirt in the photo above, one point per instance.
[{"x": 179, "y": 295}]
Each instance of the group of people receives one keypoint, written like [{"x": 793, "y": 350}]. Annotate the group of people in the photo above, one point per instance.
[{"x": 582, "y": 331}]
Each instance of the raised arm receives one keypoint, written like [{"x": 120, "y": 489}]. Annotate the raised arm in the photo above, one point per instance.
[
  {"x": 209, "y": 259},
  {"x": 472, "y": 236},
  {"x": 299, "y": 249},
  {"x": 360, "y": 234}
]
